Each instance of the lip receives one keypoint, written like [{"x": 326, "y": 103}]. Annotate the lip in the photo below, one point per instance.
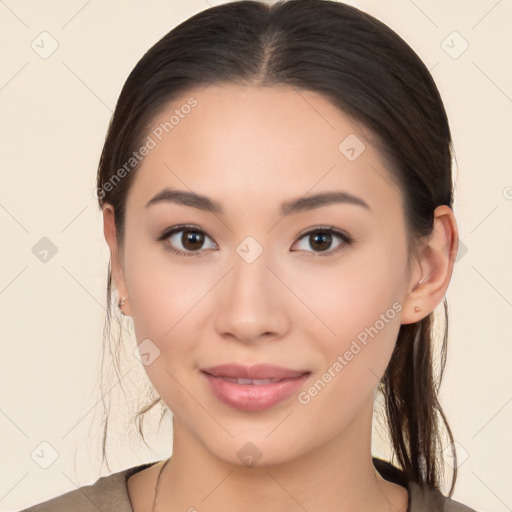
[
  {"x": 257, "y": 371},
  {"x": 253, "y": 397}
]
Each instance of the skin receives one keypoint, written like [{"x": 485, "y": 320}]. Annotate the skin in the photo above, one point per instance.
[{"x": 251, "y": 148}]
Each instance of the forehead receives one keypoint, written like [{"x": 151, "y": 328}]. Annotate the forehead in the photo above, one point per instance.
[
  {"x": 251, "y": 142},
  {"x": 236, "y": 121}
]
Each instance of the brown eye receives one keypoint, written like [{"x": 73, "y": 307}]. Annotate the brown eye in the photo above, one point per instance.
[
  {"x": 321, "y": 240},
  {"x": 185, "y": 240},
  {"x": 192, "y": 240}
]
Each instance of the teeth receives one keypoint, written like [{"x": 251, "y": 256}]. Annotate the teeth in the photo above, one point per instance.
[{"x": 256, "y": 382}]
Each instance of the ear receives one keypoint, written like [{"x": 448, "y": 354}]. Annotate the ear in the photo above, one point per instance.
[
  {"x": 435, "y": 263},
  {"x": 116, "y": 266}
]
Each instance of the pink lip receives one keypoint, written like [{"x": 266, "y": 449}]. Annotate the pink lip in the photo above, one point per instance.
[
  {"x": 253, "y": 397},
  {"x": 258, "y": 371}
]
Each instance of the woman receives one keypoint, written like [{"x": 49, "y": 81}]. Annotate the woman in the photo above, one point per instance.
[{"x": 277, "y": 198}]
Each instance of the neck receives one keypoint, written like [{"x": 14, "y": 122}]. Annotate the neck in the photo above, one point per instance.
[{"x": 338, "y": 475}]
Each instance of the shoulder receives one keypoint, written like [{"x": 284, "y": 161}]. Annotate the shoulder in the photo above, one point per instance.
[
  {"x": 106, "y": 493},
  {"x": 423, "y": 499}
]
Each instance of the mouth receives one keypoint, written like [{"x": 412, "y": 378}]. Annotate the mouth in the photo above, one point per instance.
[
  {"x": 256, "y": 372},
  {"x": 254, "y": 382},
  {"x": 253, "y": 388}
]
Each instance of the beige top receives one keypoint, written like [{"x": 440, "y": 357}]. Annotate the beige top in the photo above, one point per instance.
[{"x": 110, "y": 494}]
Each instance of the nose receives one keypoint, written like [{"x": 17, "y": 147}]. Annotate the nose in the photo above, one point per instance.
[{"x": 252, "y": 302}]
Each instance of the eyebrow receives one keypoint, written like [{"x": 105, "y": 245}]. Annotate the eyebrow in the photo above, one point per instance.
[{"x": 300, "y": 204}]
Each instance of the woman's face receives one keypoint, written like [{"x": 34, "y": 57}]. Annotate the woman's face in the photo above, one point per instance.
[{"x": 259, "y": 283}]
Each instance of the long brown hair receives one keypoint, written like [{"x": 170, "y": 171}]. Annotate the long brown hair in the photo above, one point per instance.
[{"x": 371, "y": 74}]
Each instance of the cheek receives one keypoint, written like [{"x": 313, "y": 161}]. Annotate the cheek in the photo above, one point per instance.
[
  {"x": 164, "y": 304},
  {"x": 351, "y": 296},
  {"x": 357, "y": 307},
  {"x": 356, "y": 356},
  {"x": 162, "y": 294}
]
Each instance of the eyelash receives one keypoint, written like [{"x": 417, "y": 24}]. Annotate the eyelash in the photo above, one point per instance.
[{"x": 347, "y": 240}]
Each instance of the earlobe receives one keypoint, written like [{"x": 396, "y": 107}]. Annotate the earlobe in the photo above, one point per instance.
[
  {"x": 116, "y": 268},
  {"x": 436, "y": 262}
]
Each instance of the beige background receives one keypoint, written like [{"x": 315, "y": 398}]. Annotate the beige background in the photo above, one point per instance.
[{"x": 54, "y": 115}]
